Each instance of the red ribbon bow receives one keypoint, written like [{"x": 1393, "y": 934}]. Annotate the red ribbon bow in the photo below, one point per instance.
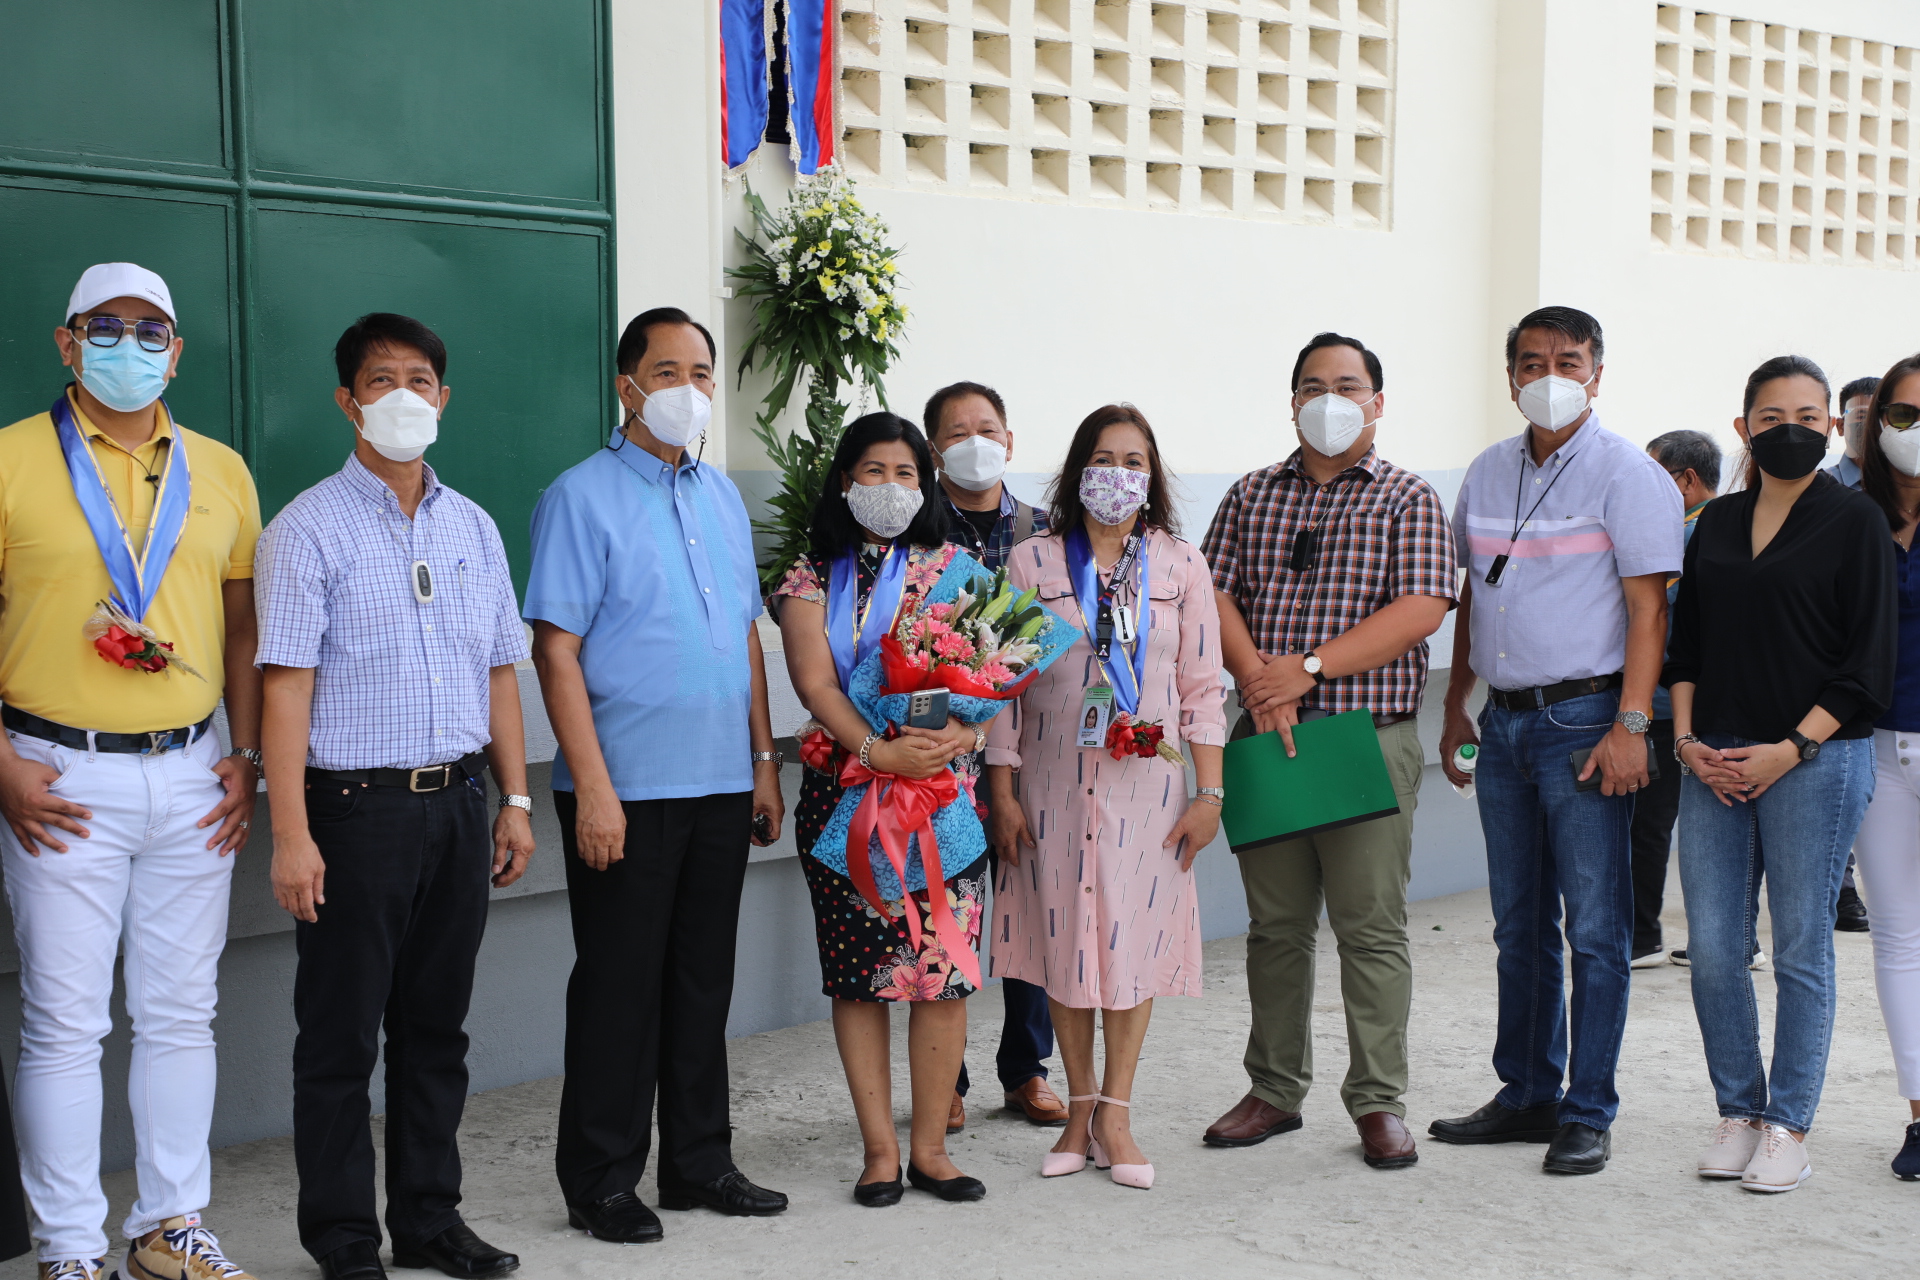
[{"x": 895, "y": 809}]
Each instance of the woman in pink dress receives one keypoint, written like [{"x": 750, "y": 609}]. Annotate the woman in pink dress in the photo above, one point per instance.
[{"x": 1095, "y": 895}]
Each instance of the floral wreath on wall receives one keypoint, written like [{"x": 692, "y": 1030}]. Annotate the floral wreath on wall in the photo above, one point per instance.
[{"x": 824, "y": 283}]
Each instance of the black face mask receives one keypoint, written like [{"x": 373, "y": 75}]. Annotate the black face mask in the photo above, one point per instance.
[{"x": 1788, "y": 451}]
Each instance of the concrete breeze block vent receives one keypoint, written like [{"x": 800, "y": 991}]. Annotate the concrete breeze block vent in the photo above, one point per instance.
[{"x": 1278, "y": 109}]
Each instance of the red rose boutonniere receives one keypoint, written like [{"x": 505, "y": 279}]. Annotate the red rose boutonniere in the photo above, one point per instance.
[{"x": 1143, "y": 738}]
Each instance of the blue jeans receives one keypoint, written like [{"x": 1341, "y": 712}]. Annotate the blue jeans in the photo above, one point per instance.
[
  {"x": 1800, "y": 830},
  {"x": 1547, "y": 843}
]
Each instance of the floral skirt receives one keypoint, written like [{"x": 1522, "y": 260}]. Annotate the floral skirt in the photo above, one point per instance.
[{"x": 864, "y": 956}]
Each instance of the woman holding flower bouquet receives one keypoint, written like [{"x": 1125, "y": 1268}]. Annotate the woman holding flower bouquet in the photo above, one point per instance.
[
  {"x": 1096, "y": 835},
  {"x": 878, "y": 543}
]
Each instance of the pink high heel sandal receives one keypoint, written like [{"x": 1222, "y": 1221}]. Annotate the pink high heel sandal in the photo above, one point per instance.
[
  {"x": 1058, "y": 1164},
  {"x": 1127, "y": 1175}
]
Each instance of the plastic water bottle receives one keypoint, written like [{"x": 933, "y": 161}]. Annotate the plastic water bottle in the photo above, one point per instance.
[{"x": 1466, "y": 760}]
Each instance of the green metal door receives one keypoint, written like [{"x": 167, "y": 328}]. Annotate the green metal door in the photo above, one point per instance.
[{"x": 287, "y": 167}]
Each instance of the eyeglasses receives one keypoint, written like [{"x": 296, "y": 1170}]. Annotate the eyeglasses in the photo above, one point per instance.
[
  {"x": 106, "y": 331},
  {"x": 1900, "y": 417},
  {"x": 1357, "y": 392}
]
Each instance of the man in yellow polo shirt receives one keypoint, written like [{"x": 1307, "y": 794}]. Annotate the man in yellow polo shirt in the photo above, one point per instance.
[{"x": 126, "y": 610}]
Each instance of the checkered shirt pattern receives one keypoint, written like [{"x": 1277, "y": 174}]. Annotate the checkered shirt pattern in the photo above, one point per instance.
[
  {"x": 397, "y": 684},
  {"x": 1383, "y": 534},
  {"x": 992, "y": 551}
]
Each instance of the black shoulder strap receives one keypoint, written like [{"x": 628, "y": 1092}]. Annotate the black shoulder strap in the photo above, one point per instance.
[{"x": 1022, "y": 522}]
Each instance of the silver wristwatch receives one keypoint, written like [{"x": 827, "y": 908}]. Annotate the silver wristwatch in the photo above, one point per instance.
[
  {"x": 776, "y": 757},
  {"x": 1635, "y": 721},
  {"x": 1217, "y": 794},
  {"x": 524, "y": 803},
  {"x": 249, "y": 754}
]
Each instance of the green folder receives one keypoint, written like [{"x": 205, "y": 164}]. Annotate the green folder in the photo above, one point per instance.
[{"x": 1338, "y": 778}]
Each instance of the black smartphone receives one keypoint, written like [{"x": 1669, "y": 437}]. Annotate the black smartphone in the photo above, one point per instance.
[
  {"x": 763, "y": 828},
  {"x": 927, "y": 709},
  {"x": 1579, "y": 759}
]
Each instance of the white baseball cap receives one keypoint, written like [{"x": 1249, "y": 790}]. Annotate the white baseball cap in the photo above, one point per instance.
[{"x": 105, "y": 281}]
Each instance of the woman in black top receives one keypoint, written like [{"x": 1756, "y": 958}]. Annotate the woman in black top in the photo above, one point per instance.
[{"x": 1781, "y": 660}]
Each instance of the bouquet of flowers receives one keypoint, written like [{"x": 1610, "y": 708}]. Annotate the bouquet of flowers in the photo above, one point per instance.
[{"x": 973, "y": 636}]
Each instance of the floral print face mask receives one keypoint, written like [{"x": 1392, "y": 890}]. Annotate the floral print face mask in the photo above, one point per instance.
[
  {"x": 886, "y": 509},
  {"x": 1113, "y": 494}
]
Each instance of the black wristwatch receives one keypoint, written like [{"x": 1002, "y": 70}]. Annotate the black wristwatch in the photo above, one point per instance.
[
  {"x": 1807, "y": 747},
  {"x": 1312, "y": 665}
]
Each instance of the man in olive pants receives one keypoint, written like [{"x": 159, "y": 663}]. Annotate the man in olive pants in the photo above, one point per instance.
[{"x": 1331, "y": 569}]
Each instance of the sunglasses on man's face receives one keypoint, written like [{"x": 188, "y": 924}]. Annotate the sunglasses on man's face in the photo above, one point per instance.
[{"x": 1901, "y": 417}]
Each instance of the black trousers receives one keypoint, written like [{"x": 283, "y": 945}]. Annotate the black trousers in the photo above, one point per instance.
[
  {"x": 407, "y": 886},
  {"x": 1655, "y": 807},
  {"x": 653, "y": 939}
]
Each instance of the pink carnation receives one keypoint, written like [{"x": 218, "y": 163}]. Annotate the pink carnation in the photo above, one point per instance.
[
  {"x": 937, "y": 628},
  {"x": 996, "y": 674},
  {"x": 940, "y": 610}
]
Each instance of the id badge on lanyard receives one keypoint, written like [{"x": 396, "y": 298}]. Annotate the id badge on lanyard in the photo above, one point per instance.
[{"x": 1096, "y": 711}]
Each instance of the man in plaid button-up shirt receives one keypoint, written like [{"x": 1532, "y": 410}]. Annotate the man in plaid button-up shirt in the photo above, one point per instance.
[{"x": 1332, "y": 568}]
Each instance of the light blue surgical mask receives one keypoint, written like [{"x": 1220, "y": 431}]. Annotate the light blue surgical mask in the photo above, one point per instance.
[{"x": 124, "y": 376}]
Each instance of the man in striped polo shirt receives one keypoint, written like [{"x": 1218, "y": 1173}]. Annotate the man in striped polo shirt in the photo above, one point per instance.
[{"x": 1569, "y": 533}]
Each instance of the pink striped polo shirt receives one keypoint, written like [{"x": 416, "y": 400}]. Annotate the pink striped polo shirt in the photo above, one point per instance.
[{"x": 1606, "y": 511}]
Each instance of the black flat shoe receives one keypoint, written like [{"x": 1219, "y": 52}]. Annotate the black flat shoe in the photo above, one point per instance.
[
  {"x": 1578, "y": 1148},
  {"x": 878, "y": 1195},
  {"x": 960, "y": 1188},
  {"x": 728, "y": 1193},
  {"x": 457, "y": 1252},
  {"x": 1851, "y": 914},
  {"x": 620, "y": 1218},
  {"x": 1906, "y": 1165},
  {"x": 1495, "y": 1123},
  {"x": 357, "y": 1261}
]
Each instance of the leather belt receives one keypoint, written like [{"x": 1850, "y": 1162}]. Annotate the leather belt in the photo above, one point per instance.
[
  {"x": 131, "y": 744},
  {"x": 434, "y": 777},
  {"x": 1379, "y": 721},
  {"x": 1544, "y": 696}
]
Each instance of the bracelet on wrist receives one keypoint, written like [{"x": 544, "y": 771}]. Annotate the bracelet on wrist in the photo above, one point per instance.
[{"x": 865, "y": 747}]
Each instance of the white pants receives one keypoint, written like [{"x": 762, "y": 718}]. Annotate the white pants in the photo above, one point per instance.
[
  {"x": 145, "y": 877},
  {"x": 1888, "y": 851}
]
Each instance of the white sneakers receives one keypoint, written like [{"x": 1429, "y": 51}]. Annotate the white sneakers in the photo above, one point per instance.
[
  {"x": 1729, "y": 1150},
  {"x": 1767, "y": 1158},
  {"x": 1779, "y": 1164}
]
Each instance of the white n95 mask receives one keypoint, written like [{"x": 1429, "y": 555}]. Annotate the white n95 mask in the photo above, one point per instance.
[
  {"x": 399, "y": 425},
  {"x": 676, "y": 415},
  {"x": 1902, "y": 449},
  {"x": 1554, "y": 403},
  {"x": 1331, "y": 423},
  {"x": 976, "y": 463}
]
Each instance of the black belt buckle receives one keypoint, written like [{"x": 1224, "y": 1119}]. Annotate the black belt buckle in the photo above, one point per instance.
[{"x": 446, "y": 778}]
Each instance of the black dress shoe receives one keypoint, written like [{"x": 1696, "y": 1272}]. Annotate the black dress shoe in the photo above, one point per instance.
[
  {"x": 728, "y": 1193},
  {"x": 1851, "y": 917},
  {"x": 458, "y": 1252},
  {"x": 1495, "y": 1123},
  {"x": 357, "y": 1261},
  {"x": 619, "y": 1218},
  {"x": 878, "y": 1195},
  {"x": 960, "y": 1188},
  {"x": 1578, "y": 1148}
]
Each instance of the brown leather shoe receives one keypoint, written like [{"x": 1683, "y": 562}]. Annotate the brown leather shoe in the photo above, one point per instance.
[
  {"x": 1384, "y": 1141},
  {"x": 1038, "y": 1103},
  {"x": 1252, "y": 1121},
  {"x": 957, "y": 1114}
]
